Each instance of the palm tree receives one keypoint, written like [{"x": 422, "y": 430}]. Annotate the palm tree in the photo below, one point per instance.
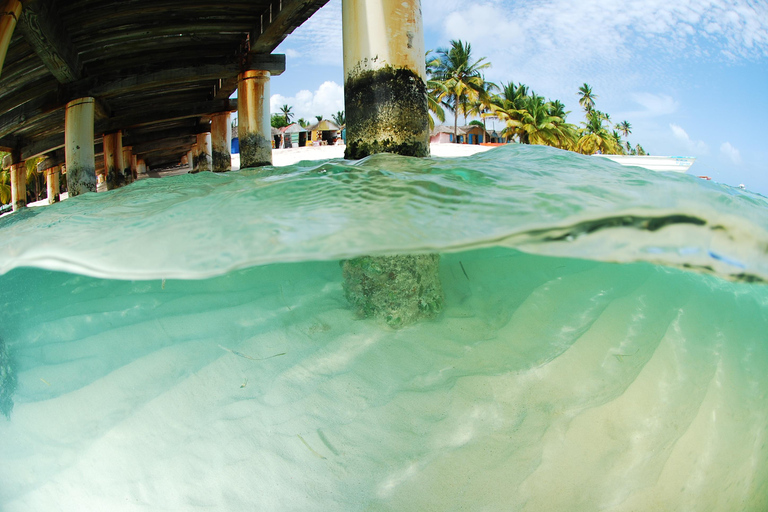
[
  {"x": 339, "y": 118},
  {"x": 625, "y": 128},
  {"x": 319, "y": 118},
  {"x": 287, "y": 114},
  {"x": 587, "y": 98},
  {"x": 5, "y": 187},
  {"x": 594, "y": 138},
  {"x": 303, "y": 122},
  {"x": 461, "y": 78}
]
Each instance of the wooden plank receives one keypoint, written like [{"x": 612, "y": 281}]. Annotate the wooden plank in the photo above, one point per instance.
[
  {"x": 45, "y": 33},
  {"x": 278, "y": 20}
]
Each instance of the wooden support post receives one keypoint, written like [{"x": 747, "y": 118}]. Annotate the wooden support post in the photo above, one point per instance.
[
  {"x": 385, "y": 93},
  {"x": 221, "y": 141},
  {"x": 52, "y": 183},
  {"x": 127, "y": 164},
  {"x": 10, "y": 11},
  {"x": 191, "y": 159},
  {"x": 19, "y": 185},
  {"x": 253, "y": 124},
  {"x": 204, "y": 149},
  {"x": 78, "y": 140},
  {"x": 135, "y": 167},
  {"x": 113, "y": 160},
  {"x": 385, "y": 98}
]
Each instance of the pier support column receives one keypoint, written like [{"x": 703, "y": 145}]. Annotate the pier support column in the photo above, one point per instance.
[
  {"x": 191, "y": 159},
  {"x": 385, "y": 97},
  {"x": 127, "y": 164},
  {"x": 385, "y": 93},
  {"x": 52, "y": 183},
  {"x": 135, "y": 167},
  {"x": 10, "y": 10},
  {"x": 195, "y": 156},
  {"x": 221, "y": 141},
  {"x": 204, "y": 148},
  {"x": 78, "y": 139},
  {"x": 113, "y": 160},
  {"x": 253, "y": 124},
  {"x": 19, "y": 185}
]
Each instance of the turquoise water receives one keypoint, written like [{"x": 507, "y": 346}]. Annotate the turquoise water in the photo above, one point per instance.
[{"x": 185, "y": 343}]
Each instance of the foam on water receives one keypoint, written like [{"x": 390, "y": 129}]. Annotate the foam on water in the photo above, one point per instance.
[{"x": 553, "y": 380}]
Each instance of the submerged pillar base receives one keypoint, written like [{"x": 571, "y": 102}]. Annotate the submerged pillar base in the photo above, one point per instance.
[
  {"x": 7, "y": 381},
  {"x": 397, "y": 289}
]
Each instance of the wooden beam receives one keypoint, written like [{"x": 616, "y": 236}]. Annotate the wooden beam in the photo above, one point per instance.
[
  {"x": 280, "y": 19},
  {"x": 45, "y": 33},
  {"x": 173, "y": 112}
]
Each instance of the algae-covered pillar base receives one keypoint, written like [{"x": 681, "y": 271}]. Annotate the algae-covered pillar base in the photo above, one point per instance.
[
  {"x": 19, "y": 185},
  {"x": 113, "y": 160},
  {"x": 385, "y": 98},
  {"x": 203, "y": 162},
  {"x": 385, "y": 94},
  {"x": 221, "y": 142},
  {"x": 78, "y": 139},
  {"x": 253, "y": 124}
]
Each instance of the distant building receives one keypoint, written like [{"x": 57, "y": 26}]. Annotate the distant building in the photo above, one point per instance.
[
  {"x": 324, "y": 132},
  {"x": 294, "y": 136},
  {"x": 468, "y": 134}
]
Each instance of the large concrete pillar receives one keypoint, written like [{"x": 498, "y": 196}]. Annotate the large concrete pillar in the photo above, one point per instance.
[
  {"x": 113, "y": 160},
  {"x": 195, "y": 155},
  {"x": 191, "y": 159},
  {"x": 19, "y": 185},
  {"x": 204, "y": 161},
  {"x": 253, "y": 124},
  {"x": 385, "y": 98},
  {"x": 78, "y": 139},
  {"x": 127, "y": 164},
  {"x": 221, "y": 141},
  {"x": 385, "y": 93},
  {"x": 52, "y": 183},
  {"x": 10, "y": 10}
]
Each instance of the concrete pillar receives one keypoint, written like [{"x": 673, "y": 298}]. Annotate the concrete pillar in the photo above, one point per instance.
[
  {"x": 128, "y": 164},
  {"x": 19, "y": 185},
  {"x": 385, "y": 93},
  {"x": 135, "y": 167},
  {"x": 385, "y": 99},
  {"x": 113, "y": 160},
  {"x": 141, "y": 166},
  {"x": 191, "y": 159},
  {"x": 204, "y": 161},
  {"x": 221, "y": 141},
  {"x": 10, "y": 10},
  {"x": 52, "y": 182},
  {"x": 78, "y": 139},
  {"x": 253, "y": 124},
  {"x": 195, "y": 155}
]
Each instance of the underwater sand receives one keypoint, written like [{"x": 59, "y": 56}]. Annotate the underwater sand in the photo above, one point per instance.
[{"x": 576, "y": 366}]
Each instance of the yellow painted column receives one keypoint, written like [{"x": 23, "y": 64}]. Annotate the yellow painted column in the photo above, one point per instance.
[
  {"x": 78, "y": 140},
  {"x": 253, "y": 124},
  {"x": 113, "y": 160},
  {"x": 135, "y": 167},
  {"x": 10, "y": 10},
  {"x": 127, "y": 164},
  {"x": 221, "y": 142},
  {"x": 52, "y": 183},
  {"x": 385, "y": 91},
  {"x": 385, "y": 97},
  {"x": 19, "y": 185},
  {"x": 204, "y": 149}
]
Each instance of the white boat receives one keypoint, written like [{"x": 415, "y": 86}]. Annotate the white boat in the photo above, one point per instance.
[{"x": 654, "y": 163}]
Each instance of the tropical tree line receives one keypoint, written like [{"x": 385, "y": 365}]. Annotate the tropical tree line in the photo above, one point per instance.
[
  {"x": 456, "y": 83},
  {"x": 285, "y": 117}
]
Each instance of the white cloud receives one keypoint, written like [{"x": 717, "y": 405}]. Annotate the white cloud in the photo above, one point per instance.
[
  {"x": 326, "y": 101},
  {"x": 653, "y": 105},
  {"x": 730, "y": 152},
  {"x": 318, "y": 40},
  {"x": 696, "y": 147}
]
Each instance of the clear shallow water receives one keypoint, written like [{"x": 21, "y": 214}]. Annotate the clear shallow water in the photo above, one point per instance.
[{"x": 548, "y": 382}]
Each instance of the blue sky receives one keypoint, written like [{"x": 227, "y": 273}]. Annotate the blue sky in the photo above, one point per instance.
[{"x": 691, "y": 76}]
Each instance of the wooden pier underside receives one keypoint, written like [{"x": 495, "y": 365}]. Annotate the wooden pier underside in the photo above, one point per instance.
[{"x": 157, "y": 68}]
